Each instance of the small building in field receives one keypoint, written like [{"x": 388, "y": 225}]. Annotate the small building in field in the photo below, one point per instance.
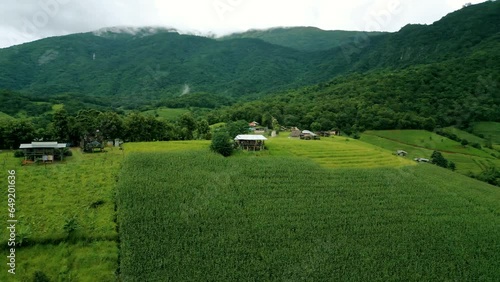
[
  {"x": 295, "y": 133},
  {"x": 250, "y": 142},
  {"x": 401, "y": 153},
  {"x": 43, "y": 151},
  {"x": 308, "y": 135},
  {"x": 253, "y": 124}
]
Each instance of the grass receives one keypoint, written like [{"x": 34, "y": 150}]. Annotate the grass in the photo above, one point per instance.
[
  {"x": 166, "y": 146},
  {"x": 488, "y": 129},
  {"x": 166, "y": 113},
  {"x": 336, "y": 152},
  {"x": 196, "y": 216},
  {"x": 47, "y": 196},
  {"x": 81, "y": 261},
  {"x": 428, "y": 140},
  {"x": 464, "y": 163}
]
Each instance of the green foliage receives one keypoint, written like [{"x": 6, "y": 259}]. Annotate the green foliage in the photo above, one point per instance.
[
  {"x": 18, "y": 154},
  {"x": 222, "y": 144},
  {"x": 236, "y": 128},
  {"x": 464, "y": 142},
  {"x": 40, "y": 276},
  {"x": 438, "y": 159},
  {"x": 452, "y": 165},
  {"x": 305, "y": 38},
  {"x": 14, "y": 132}
]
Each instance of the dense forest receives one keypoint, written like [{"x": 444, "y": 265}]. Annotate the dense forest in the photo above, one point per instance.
[{"x": 422, "y": 77}]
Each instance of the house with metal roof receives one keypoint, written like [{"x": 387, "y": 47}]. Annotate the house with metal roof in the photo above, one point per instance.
[
  {"x": 43, "y": 151},
  {"x": 250, "y": 142},
  {"x": 308, "y": 135}
]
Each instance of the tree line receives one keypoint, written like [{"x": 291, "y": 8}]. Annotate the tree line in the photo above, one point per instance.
[{"x": 133, "y": 127}]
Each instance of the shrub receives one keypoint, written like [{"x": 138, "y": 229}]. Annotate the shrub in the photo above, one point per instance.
[
  {"x": 67, "y": 152},
  {"x": 39, "y": 276},
  {"x": 476, "y": 145},
  {"x": 464, "y": 142},
  {"x": 452, "y": 165},
  {"x": 438, "y": 159},
  {"x": 19, "y": 154},
  {"x": 222, "y": 144}
]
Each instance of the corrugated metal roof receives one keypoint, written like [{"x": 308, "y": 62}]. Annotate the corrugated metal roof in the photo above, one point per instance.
[
  {"x": 41, "y": 145},
  {"x": 308, "y": 132},
  {"x": 251, "y": 137}
]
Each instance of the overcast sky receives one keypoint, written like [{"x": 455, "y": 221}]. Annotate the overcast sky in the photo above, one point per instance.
[{"x": 27, "y": 20}]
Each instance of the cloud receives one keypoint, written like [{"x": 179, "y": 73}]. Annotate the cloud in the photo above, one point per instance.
[{"x": 26, "y": 20}]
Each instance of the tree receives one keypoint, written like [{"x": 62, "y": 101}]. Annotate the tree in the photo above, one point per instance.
[
  {"x": 134, "y": 125},
  {"x": 315, "y": 126},
  {"x": 15, "y": 132},
  {"x": 188, "y": 125},
  {"x": 61, "y": 125},
  {"x": 438, "y": 159},
  {"x": 110, "y": 124},
  {"x": 203, "y": 129},
  {"x": 222, "y": 144},
  {"x": 236, "y": 128},
  {"x": 452, "y": 165},
  {"x": 464, "y": 142},
  {"x": 276, "y": 125}
]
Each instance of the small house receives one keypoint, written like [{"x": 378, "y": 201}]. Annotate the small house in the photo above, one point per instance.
[
  {"x": 295, "y": 133},
  {"x": 308, "y": 135},
  {"x": 253, "y": 124},
  {"x": 43, "y": 151},
  {"x": 401, "y": 153},
  {"x": 250, "y": 142}
]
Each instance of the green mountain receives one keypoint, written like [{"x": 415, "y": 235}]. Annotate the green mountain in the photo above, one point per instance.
[
  {"x": 305, "y": 38},
  {"x": 457, "y": 56}
]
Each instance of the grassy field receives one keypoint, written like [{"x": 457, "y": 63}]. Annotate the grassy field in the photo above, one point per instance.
[
  {"x": 335, "y": 152},
  {"x": 47, "y": 197},
  {"x": 488, "y": 129},
  {"x": 166, "y": 113},
  {"x": 195, "y": 216},
  {"x": 428, "y": 140},
  {"x": 334, "y": 208},
  {"x": 464, "y": 163}
]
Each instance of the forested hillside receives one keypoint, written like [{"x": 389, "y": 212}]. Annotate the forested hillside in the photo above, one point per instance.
[
  {"x": 447, "y": 73},
  {"x": 305, "y": 38}
]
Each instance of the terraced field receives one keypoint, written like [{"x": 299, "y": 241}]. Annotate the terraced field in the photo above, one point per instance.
[
  {"x": 428, "y": 140},
  {"x": 468, "y": 162},
  {"x": 196, "y": 216},
  {"x": 489, "y": 129},
  {"x": 337, "y": 152},
  {"x": 166, "y": 113}
]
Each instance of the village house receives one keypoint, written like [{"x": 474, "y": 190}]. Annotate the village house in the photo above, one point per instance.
[
  {"x": 250, "y": 142},
  {"x": 43, "y": 151}
]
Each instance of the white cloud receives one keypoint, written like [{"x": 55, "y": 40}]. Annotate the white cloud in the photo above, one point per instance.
[{"x": 24, "y": 20}]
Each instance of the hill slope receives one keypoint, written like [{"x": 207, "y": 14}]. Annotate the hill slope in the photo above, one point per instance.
[
  {"x": 304, "y": 38},
  {"x": 146, "y": 65}
]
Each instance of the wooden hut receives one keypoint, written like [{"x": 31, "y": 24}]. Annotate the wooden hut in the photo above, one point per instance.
[
  {"x": 43, "y": 151},
  {"x": 250, "y": 142}
]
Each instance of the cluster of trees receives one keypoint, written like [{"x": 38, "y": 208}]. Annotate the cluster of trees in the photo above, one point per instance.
[
  {"x": 462, "y": 141},
  {"x": 438, "y": 159},
  {"x": 133, "y": 127},
  {"x": 422, "y": 97}
]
